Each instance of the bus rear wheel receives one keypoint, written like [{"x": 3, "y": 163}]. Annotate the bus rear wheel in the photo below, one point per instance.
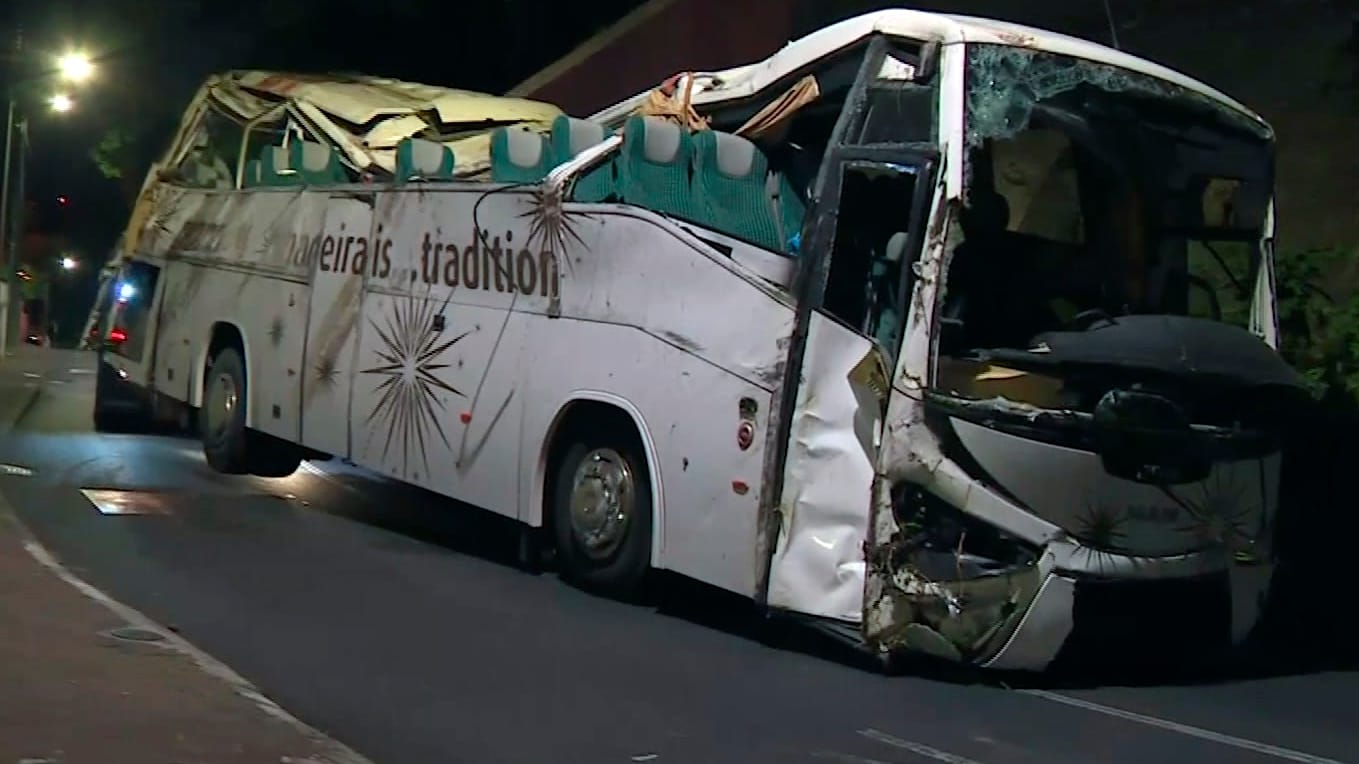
[
  {"x": 228, "y": 445},
  {"x": 601, "y": 511}
]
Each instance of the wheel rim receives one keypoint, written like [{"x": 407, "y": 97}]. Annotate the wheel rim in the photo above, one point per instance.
[
  {"x": 221, "y": 404},
  {"x": 603, "y": 499}
]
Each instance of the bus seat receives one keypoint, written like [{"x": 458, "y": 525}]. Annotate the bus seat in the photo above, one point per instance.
[
  {"x": 657, "y": 157},
  {"x": 572, "y": 136},
  {"x": 316, "y": 163},
  {"x": 275, "y": 169},
  {"x": 789, "y": 208},
  {"x": 251, "y": 178},
  {"x": 519, "y": 155},
  {"x": 419, "y": 159},
  {"x": 886, "y": 275},
  {"x": 729, "y": 180}
]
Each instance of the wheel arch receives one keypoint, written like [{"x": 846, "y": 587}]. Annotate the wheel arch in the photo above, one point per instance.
[
  {"x": 579, "y": 404},
  {"x": 224, "y": 333}
]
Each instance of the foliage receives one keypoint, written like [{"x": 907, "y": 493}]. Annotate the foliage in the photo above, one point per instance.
[
  {"x": 1319, "y": 328},
  {"x": 112, "y": 154}
]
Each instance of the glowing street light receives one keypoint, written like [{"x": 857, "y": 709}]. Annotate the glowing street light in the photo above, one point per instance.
[
  {"x": 69, "y": 263},
  {"x": 75, "y": 66}
]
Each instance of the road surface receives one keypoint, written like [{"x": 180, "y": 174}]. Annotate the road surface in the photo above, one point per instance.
[{"x": 397, "y": 623}]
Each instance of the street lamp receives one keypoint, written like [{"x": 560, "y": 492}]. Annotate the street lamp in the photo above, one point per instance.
[
  {"x": 69, "y": 263},
  {"x": 73, "y": 67}
]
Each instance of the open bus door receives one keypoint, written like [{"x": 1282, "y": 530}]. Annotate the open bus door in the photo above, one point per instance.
[{"x": 865, "y": 230}]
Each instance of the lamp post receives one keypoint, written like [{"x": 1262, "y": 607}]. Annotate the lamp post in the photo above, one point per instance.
[{"x": 75, "y": 68}]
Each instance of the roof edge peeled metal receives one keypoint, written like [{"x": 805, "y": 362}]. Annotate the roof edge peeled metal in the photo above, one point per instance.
[
  {"x": 366, "y": 117},
  {"x": 743, "y": 81}
]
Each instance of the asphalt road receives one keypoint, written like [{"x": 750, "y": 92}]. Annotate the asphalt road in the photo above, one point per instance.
[{"x": 396, "y": 623}]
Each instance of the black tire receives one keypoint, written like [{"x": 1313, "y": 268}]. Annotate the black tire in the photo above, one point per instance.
[
  {"x": 618, "y": 569},
  {"x": 233, "y": 448},
  {"x": 225, "y": 443}
]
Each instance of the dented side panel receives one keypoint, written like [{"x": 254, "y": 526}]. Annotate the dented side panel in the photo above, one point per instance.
[{"x": 818, "y": 563}]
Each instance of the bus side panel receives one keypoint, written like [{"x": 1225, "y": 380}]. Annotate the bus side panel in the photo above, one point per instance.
[
  {"x": 441, "y": 408},
  {"x": 235, "y": 264},
  {"x": 706, "y": 486},
  {"x": 651, "y": 318},
  {"x": 438, "y": 390},
  {"x": 341, "y": 253},
  {"x": 178, "y": 345}
]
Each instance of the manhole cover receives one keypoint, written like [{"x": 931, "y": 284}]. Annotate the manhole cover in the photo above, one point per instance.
[
  {"x": 136, "y": 634},
  {"x": 14, "y": 469},
  {"x": 111, "y": 502}
]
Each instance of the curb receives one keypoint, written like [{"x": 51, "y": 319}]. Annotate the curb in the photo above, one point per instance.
[{"x": 335, "y": 751}]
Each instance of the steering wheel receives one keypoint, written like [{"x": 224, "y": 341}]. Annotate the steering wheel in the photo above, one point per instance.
[
  {"x": 1213, "y": 305},
  {"x": 1088, "y": 318}
]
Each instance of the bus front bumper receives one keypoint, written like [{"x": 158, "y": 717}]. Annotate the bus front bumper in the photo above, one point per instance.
[{"x": 1097, "y": 606}]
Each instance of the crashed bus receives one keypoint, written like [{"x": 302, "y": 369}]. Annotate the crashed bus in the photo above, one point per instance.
[{"x": 947, "y": 335}]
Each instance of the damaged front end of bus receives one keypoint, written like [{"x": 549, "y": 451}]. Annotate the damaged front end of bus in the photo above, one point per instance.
[{"x": 1082, "y": 440}]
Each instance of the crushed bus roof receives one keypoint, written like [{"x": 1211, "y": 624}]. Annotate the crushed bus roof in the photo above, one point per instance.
[
  {"x": 744, "y": 81},
  {"x": 366, "y": 117}
]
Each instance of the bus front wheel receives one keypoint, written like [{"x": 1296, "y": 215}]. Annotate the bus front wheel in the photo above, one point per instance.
[
  {"x": 601, "y": 511},
  {"x": 228, "y": 445}
]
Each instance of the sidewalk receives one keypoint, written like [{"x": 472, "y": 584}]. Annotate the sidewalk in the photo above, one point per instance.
[
  {"x": 72, "y": 691},
  {"x": 21, "y": 373}
]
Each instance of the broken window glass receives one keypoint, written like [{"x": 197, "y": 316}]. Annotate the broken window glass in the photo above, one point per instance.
[
  {"x": 1005, "y": 83},
  {"x": 1085, "y": 186},
  {"x": 211, "y": 159}
]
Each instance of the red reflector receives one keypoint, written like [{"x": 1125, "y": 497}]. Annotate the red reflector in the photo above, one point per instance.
[{"x": 117, "y": 335}]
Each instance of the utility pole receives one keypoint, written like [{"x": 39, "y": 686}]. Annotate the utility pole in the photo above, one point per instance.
[{"x": 8, "y": 226}]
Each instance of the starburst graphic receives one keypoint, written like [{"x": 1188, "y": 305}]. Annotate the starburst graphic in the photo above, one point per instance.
[
  {"x": 551, "y": 227},
  {"x": 276, "y": 332},
  {"x": 410, "y": 405},
  {"x": 1219, "y": 518},
  {"x": 327, "y": 372},
  {"x": 1101, "y": 527},
  {"x": 553, "y": 230}
]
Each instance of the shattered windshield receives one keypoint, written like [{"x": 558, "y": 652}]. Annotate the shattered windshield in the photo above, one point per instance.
[{"x": 1094, "y": 191}]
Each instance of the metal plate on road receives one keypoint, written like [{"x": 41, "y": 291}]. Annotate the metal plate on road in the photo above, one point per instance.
[
  {"x": 111, "y": 502},
  {"x": 16, "y": 470}
]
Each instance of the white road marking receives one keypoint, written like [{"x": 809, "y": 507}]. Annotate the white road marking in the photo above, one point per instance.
[
  {"x": 845, "y": 758},
  {"x": 1184, "y": 729},
  {"x": 919, "y": 749}
]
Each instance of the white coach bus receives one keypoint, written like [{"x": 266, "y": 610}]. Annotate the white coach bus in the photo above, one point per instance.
[{"x": 946, "y": 334}]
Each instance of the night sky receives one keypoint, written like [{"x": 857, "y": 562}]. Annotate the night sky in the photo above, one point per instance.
[{"x": 153, "y": 54}]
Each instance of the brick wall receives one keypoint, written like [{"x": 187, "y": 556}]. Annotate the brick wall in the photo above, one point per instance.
[{"x": 674, "y": 36}]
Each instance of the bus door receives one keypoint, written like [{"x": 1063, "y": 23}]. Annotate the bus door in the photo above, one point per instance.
[{"x": 861, "y": 238}]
